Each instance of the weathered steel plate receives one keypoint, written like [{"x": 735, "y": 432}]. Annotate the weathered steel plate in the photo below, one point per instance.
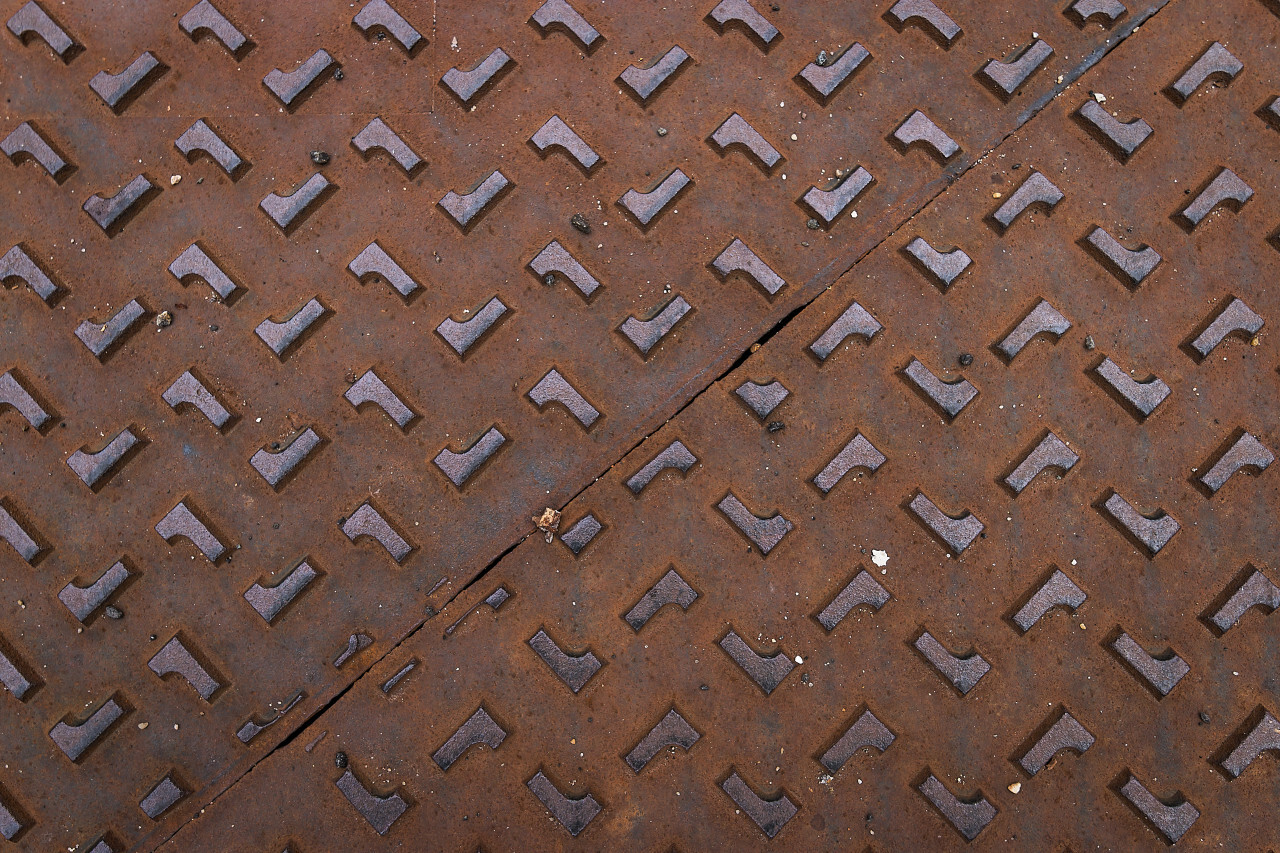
[
  {"x": 1015, "y": 613},
  {"x": 280, "y": 289}
]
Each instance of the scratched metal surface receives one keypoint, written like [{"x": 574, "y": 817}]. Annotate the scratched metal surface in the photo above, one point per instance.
[
  {"x": 273, "y": 466},
  {"x": 1137, "y": 712}
]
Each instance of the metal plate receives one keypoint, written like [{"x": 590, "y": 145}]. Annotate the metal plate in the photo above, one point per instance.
[
  {"x": 1164, "y": 753},
  {"x": 111, "y": 97}
]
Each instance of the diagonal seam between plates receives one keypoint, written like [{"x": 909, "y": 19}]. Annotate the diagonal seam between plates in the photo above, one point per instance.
[{"x": 698, "y": 385}]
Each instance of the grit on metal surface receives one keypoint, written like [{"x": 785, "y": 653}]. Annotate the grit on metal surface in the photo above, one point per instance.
[{"x": 321, "y": 483}]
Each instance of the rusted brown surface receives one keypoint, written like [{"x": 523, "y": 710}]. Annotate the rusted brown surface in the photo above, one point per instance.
[
  {"x": 277, "y": 540},
  {"x": 958, "y": 668}
]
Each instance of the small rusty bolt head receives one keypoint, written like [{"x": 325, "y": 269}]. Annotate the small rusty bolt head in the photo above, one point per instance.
[
  {"x": 965, "y": 359},
  {"x": 320, "y": 158},
  {"x": 580, "y": 222},
  {"x": 340, "y": 760}
]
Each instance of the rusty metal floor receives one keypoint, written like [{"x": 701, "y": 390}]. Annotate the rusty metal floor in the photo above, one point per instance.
[{"x": 899, "y": 369}]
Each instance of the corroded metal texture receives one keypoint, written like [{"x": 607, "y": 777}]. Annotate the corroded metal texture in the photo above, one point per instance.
[
  {"x": 310, "y": 308},
  {"x": 976, "y": 551}
]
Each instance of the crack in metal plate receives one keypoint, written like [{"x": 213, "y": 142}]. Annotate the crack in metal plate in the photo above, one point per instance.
[
  {"x": 290, "y": 364},
  {"x": 881, "y": 615}
]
